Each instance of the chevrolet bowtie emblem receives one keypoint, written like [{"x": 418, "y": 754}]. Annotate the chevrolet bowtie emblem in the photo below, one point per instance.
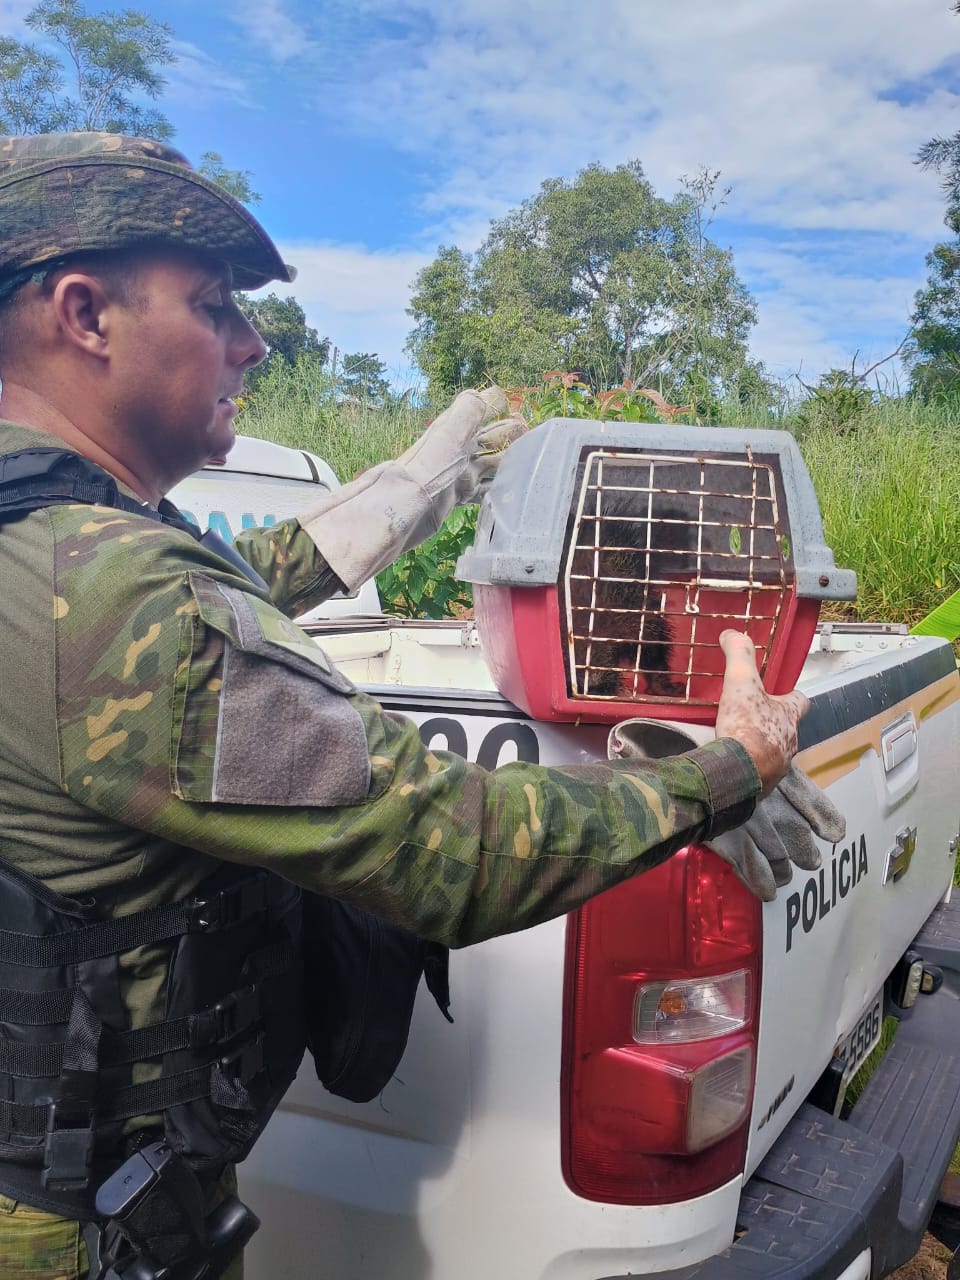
[{"x": 898, "y": 859}]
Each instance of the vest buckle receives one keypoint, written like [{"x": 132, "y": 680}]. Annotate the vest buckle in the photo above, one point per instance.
[
  {"x": 237, "y": 1013},
  {"x": 245, "y": 1062}
]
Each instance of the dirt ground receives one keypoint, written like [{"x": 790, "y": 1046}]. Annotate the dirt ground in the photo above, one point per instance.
[{"x": 930, "y": 1262}]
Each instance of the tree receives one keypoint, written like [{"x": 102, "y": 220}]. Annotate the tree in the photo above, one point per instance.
[
  {"x": 943, "y": 156},
  {"x": 599, "y": 275},
  {"x": 30, "y": 82},
  {"x": 111, "y": 59},
  {"x": 363, "y": 377},
  {"x": 934, "y": 354},
  {"x": 236, "y": 181},
  {"x": 446, "y": 341},
  {"x": 282, "y": 323}
]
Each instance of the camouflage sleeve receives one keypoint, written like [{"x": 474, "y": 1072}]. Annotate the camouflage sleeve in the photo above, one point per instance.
[
  {"x": 194, "y": 711},
  {"x": 459, "y": 854},
  {"x": 288, "y": 561}
]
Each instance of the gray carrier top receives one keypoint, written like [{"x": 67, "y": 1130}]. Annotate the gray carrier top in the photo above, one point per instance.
[{"x": 732, "y": 486}]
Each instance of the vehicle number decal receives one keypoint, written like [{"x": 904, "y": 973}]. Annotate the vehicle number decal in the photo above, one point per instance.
[{"x": 521, "y": 736}]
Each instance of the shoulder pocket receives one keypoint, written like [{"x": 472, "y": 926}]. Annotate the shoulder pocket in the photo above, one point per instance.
[{"x": 263, "y": 716}]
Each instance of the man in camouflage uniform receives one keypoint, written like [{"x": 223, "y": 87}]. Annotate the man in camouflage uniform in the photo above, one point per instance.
[{"x": 159, "y": 713}]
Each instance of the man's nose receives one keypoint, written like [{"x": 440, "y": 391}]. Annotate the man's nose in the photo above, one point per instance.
[{"x": 247, "y": 348}]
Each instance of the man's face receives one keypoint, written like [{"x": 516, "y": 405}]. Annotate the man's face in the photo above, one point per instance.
[{"x": 179, "y": 349}]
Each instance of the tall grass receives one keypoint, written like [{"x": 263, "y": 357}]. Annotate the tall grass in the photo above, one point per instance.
[
  {"x": 888, "y": 493},
  {"x": 299, "y": 406},
  {"x": 887, "y": 484}
]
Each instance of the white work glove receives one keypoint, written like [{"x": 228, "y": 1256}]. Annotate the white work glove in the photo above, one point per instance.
[
  {"x": 782, "y": 828},
  {"x": 780, "y": 832},
  {"x": 366, "y": 524}
]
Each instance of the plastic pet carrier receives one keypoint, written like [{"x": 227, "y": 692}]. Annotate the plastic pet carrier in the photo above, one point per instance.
[{"x": 609, "y": 557}]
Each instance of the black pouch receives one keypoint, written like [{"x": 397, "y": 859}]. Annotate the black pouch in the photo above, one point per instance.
[{"x": 360, "y": 982}]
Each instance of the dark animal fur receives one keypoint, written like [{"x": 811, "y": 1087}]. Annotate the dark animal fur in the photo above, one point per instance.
[{"x": 637, "y": 640}]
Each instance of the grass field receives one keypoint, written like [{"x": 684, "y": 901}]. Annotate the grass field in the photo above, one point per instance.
[{"x": 887, "y": 485}]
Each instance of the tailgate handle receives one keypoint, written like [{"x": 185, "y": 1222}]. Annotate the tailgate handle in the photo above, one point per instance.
[{"x": 898, "y": 742}]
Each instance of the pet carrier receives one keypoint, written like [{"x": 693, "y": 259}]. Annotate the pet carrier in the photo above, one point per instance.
[{"x": 609, "y": 557}]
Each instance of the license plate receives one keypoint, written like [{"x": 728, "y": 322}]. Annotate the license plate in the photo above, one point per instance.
[{"x": 863, "y": 1037}]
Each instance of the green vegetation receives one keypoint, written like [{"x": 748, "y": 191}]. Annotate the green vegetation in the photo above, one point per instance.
[
  {"x": 420, "y": 584},
  {"x": 282, "y": 324},
  {"x": 304, "y": 404},
  {"x": 885, "y": 475},
  {"x": 96, "y": 72},
  {"x": 888, "y": 497},
  {"x": 111, "y": 60},
  {"x": 600, "y": 275},
  {"x": 869, "y": 1065},
  {"x": 933, "y": 352}
]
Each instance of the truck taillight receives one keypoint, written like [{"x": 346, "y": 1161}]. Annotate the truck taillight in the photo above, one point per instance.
[{"x": 661, "y": 996}]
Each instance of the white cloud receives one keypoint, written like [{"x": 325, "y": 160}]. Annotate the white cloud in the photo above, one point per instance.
[
  {"x": 814, "y": 317},
  {"x": 12, "y": 14},
  {"x": 357, "y": 297},
  {"x": 196, "y": 81},
  {"x": 781, "y": 95},
  {"x": 271, "y": 29},
  {"x": 811, "y": 109}
]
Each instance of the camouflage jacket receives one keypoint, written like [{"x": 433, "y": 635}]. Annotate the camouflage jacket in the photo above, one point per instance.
[{"x": 158, "y": 713}]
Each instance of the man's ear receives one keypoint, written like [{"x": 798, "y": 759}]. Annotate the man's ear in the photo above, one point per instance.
[{"x": 81, "y": 306}]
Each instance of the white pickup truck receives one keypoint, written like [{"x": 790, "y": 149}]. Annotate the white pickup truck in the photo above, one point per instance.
[{"x": 547, "y": 1136}]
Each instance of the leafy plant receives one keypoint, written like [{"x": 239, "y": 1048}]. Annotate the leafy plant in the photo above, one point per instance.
[
  {"x": 565, "y": 395},
  {"x": 836, "y": 404},
  {"x": 421, "y": 583}
]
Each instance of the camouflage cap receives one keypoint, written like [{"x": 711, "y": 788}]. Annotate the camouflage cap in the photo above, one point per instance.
[{"x": 64, "y": 193}]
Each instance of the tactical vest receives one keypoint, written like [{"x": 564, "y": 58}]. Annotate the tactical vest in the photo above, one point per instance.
[
  {"x": 238, "y": 1013},
  {"x": 229, "y": 1047}
]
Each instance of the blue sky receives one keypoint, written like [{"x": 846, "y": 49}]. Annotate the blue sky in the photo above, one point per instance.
[{"x": 377, "y": 130}]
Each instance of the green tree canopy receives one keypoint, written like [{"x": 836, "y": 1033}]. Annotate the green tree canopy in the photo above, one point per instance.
[
  {"x": 934, "y": 352},
  {"x": 95, "y": 72},
  {"x": 105, "y": 64},
  {"x": 30, "y": 90},
  {"x": 363, "y": 377},
  {"x": 600, "y": 275},
  {"x": 236, "y": 181},
  {"x": 282, "y": 323}
]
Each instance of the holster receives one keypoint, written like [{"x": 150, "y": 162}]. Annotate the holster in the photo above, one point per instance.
[{"x": 153, "y": 1224}]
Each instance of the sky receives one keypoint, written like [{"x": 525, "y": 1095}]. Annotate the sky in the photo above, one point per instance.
[{"x": 378, "y": 130}]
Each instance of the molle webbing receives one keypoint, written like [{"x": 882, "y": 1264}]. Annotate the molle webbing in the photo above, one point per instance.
[{"x": 226, "y": 1050}]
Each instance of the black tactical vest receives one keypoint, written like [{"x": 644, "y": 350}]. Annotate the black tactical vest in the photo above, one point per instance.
[
  {"x": 238, "y": 1012},
  {"x": 71, "y": 1067}
]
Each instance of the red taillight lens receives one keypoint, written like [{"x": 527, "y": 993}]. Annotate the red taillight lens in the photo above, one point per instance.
[{"x": 660, "y": 1009}]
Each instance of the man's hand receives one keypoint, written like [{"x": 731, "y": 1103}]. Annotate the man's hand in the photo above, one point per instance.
[
  {"x": 780, "y": 833},
  {"x": 458, "y": 453},
  {"x": 365, "y": 525},
  {"x": 764, "y": 724}
]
